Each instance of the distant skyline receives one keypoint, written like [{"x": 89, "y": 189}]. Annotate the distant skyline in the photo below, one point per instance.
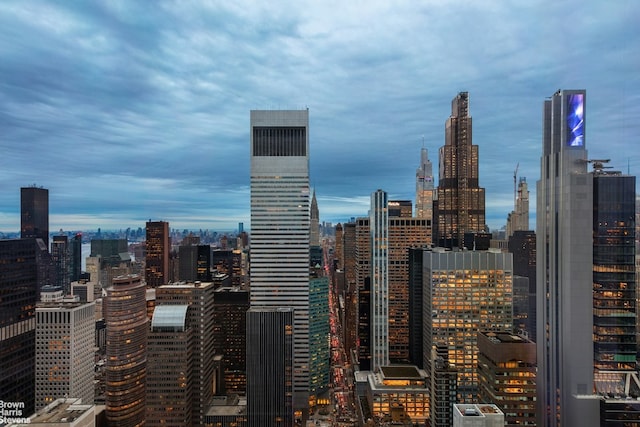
[{"x": 129, "y": 111}]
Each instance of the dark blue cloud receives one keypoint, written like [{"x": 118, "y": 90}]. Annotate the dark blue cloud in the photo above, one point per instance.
[{"x": 135, "y": 110}]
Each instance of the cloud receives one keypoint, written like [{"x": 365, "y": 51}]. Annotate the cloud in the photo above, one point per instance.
[{"x": 130, "y": 110}]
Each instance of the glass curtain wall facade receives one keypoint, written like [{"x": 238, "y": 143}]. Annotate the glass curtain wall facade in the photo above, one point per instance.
[
  {"x": 614, "y": 279},
  {"x": 379, "y": 229}
]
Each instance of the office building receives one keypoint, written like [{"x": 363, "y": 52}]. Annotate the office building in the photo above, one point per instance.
[
  {"x": 398, "y": 393},
  {"x": 75, "y": 258},
  {"x": 404, "y": 233},
  {"x": 18, "y": 286},
  {"x": 200, "y": 317},
  {"x": 350, "y": 319},
  {"x": 61, "y": 259},
  {"x": 518, "y": 219},
  {"x": 157, "y": 254},
  {"x": 169, "y": 398},
  {"x": 444, "y": 387},
  {"x": 314, "y": 225},
  {"x": 522, "y": 244},
  {"x": 194, "y": 263},
  {"x": 65, "y": 339},
  {"x": 280, "y": 223},
  {"x": 416, "y": 351},
  {"x": 319, "y": 350},
  {"x": 507, "y": 376},
  {"x": 461, "y": 201},
  {"x": 614, "y": 278},
  {"x": 379, "y": 229},
  {"x": 109, "y": 258},
  {"x": 363, "y": 283},
  {"x": 564, "y": 255},
  {"x": 125, "y": 313},
  {"x": 465, "y": 292},
  {"x": 34, "y": 208},
  {"x": 230, "y": 336},
  {"x": 400, "y": 208},
  {"x": 63, "y": 412},
  {"x": 424, "y": 187},
  {"x": 270, "y": 365},
  {"x": 482, "y": 415},
  {"x": 227, "y": 411}
]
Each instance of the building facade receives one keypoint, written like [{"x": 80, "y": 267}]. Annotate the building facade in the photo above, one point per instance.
[
  {"x": 19, "y": 290},
  {"x": 34, "y": 209},
  {"x": 65, "y": 339},
  {"x": 424, "y": 187},
  {"x": 465, "y": 292},
  {"x": 564, "y": 278},
  {"x": 125, "y": 313},
  {"x": 461, "y": 201},
  {"x": 61, "y": 259},
  {"x": 379, "y": 241},
  {"x": 270, "y": 365},
  {"x": 157, "y": 254},
  {"x": 319, "y": 350},
  {"x": 280, "y": 223}
]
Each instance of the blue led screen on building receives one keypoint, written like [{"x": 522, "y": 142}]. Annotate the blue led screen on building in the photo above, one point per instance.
[{"x": 575, "y": 120}]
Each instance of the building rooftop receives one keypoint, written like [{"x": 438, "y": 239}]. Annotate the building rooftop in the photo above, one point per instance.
[
  {"x": 61, "y": 411},
  {"x": 400, "y": 371},
  {"x": 499, "y": 337},
  {"x": 170, "y": 316}
]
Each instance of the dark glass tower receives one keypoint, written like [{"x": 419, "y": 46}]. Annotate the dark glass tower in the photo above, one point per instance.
[
  {"x": 460, "y": 207},
  {"x": 270, "y": 366},
  {"x": 75, "y": 251},
  {"x": 34, "y": 209},
  {"x": 61, "y": 260},
  {"x": 18, "y": 294},
  {"x": 157, "y": 258},
  {"x": 614, "y": 279}
]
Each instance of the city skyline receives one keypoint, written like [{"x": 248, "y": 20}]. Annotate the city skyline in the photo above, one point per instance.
[{"x": 128, "y": 113}]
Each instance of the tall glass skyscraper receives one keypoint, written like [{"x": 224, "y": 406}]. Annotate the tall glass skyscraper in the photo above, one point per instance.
[
  {"x": 424, "y": 187},
  {"x": 34, "y": 207},
  {"x": 280, "y": 219}
]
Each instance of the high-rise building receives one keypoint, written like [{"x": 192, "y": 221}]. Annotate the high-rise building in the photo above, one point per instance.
[
  {"x": 319, "y": 350},
  {"x": 379, "y": 228},
  {"x": 472, "y": 415},
  {"x": 34, "y": 207},
  {"x": 157, "y": 257},
  {"x": 522, "y": 244},
  {"x": 614, "y": 278},
  {"x": 61, "y": 259},
  {"x": 200, "y": 317},
  {"x": 400, "y": 208},
  {"x": 314, "y": 226},
  {"x": 270, "y": 365},
  {"x": 564, "y": 250},
  {"x": 416, "y": 302},
  {"x": 363, "y": 283},
  {"x": 75, "y": 257},
  {"x": 65, "y": 340},
  {"x": 125, "y": 313},
  {"x": 109, "y": 258},
  {"x": 424, "y": 187},
  {"x": 461, "y": 203},
  {"x": 230, "y": 336},
  {"x": 444, "y": 391},
  {"x": 19, "y": 290},
  {"x": 194, "y": 263},
  {"x": 507, "y": 376},
  {"x": 169, "y": 398},
  {"x": 350, "y": 323},
  {"x": 518, "y": 219},
  {"x": 280, "y": 226},
  {"x": 465, "y": 292}
]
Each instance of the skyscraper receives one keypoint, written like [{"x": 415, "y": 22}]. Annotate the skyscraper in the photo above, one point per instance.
[
  {"x": 75, "y": 257},
  {"x": 34, "y": 207},
  {"x": 61, "y": 263},
  {"x": 18, "y": 287},
  {"x": 319, "y": 354},
  {"x": 461, "y": 205},
  {"x": 200, "y": 317},
  {"x": 464, "y": 292},
  {"x": 314, "y": 230},
  {"x": 125, "y": 311},
  {"x": 270, "y": 348},
  {"x": 564, "y": 250},
  {"x": 379, "y": 229},
  {"x": 157, "y": 258},
  {"x": 424, "y": 187},
  {"x": 280, "y": 226},
  {"x": 65, "y": 340}
]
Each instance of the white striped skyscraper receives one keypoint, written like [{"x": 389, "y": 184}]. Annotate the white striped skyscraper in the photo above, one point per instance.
[{"x": 280, "y": 226}]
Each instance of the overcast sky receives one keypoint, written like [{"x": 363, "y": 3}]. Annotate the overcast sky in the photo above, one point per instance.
[{"x": 135, "y": 110}]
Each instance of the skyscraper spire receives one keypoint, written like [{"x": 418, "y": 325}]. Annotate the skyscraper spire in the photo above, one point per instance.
[{"x": 314, "y": 232}]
